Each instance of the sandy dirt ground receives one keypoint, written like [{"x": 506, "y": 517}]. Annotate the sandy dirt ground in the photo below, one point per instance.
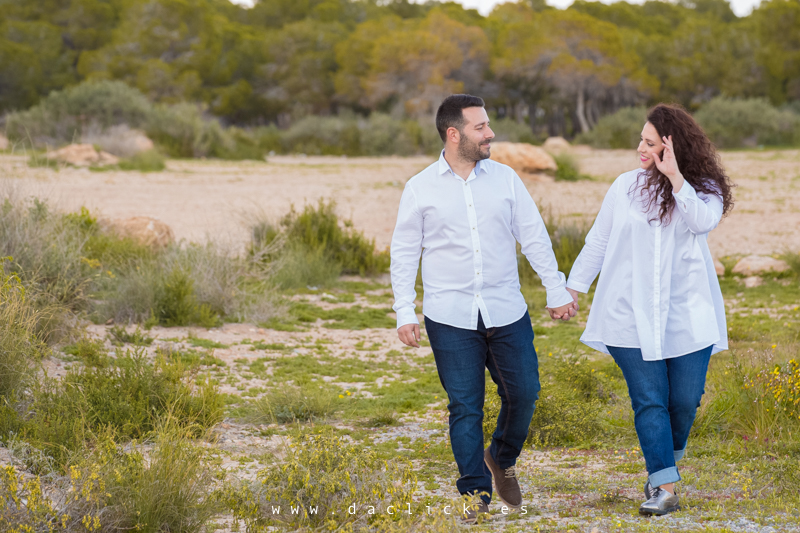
[{"x": 219, "y": 199}]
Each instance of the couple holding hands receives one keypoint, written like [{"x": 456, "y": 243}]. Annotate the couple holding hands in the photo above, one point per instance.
[{"x": 657, "y": 307}]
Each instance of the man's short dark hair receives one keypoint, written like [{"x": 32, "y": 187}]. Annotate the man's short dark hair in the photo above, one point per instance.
[{"x": 450, "y": 113}]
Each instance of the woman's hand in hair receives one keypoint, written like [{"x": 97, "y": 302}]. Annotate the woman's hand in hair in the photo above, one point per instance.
[{"x": 668, "y": 165}]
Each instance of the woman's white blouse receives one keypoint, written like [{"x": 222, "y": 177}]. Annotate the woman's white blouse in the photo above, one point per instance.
[{"x": 658, "y": 290}]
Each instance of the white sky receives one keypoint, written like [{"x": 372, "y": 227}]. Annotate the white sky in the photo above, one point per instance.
[{"x": 740, "y": 7}]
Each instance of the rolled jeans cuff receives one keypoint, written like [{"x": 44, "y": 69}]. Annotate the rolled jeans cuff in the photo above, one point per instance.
[
  {"x": 662, "y": 477},
  {"x": 679, "y": 454}
]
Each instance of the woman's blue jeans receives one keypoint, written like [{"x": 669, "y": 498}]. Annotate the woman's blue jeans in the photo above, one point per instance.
[
  {"x": 665, "y": 396},
  {"x": 462, "y": 355}
]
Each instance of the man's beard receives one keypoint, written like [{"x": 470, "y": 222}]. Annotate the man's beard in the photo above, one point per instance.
[{"x": 470, "y": 151}]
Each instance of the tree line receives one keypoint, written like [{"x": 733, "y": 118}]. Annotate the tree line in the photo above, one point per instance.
[{"x": 558, "y": 71}]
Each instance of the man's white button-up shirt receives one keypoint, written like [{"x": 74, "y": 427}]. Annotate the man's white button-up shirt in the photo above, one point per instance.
[
  {"x": 467, "y": 232},
  {"x": 658, "y": 290}
]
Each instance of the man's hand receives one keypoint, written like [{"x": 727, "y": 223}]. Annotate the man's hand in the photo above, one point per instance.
[
  {"x": 565, "y": 312},
  {"x": 574, "y": 294},
  {"x": 409, "y": 335}
]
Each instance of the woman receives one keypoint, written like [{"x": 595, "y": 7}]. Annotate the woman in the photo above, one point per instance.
[{"x": 658, "y": 308}]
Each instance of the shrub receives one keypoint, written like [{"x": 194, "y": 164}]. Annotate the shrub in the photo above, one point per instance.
[
  {"x": 509, "y": 130},
  {"x": 46, "y": 252},
  {"x": 91, "y": 352},
  {"x": 618, "y": 130},
  {"x": 382, "y": 135},
  {"x": 733, "y": 123},
  {"x": 295, "y": 404},
  {"x": 119, "y": 336},
  {"x": 114, "y": 489},
  {"x": 182, "y": 131},
  {"x": 567, "y": 237},
  {"x": 322, "y": 475},
  {"x": 149, "y": 161},
  {"x": 128, "y": 396},
  {"x": 319, "y": 229},
  {"x": 63, "y": 116},
  {"x": 568, "y": 169},
  {"x": 568, "y": 409},
  {"x": 20, "y": 345}
]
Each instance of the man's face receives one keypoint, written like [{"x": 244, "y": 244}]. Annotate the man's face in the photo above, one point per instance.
[{"x": 475, "y": 136}]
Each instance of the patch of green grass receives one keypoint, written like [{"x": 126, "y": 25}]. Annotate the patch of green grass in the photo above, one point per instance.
[
  {"x": 353, "y": 317},
  {"x": 148, "y": 161},
  {"x": 129, "y": 397},
  {"x": 119, "y": 335},
  {"x": 197, "y": 342},
  {"x": 288, "y": 404},
  {"x": 271, "y": 346},
  {"x": 91, "y": 352}
]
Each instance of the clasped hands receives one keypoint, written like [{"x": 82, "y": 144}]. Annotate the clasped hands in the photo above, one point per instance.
[
  {"x": 410, "y": 336},
  {"x": 565, "y": 312}
]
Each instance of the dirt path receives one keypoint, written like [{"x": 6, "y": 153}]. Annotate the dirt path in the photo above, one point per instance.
[{"x": 216, "y": 199}]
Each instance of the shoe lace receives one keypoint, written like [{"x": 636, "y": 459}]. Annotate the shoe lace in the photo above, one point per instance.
[{"x": 510, "y": 472}]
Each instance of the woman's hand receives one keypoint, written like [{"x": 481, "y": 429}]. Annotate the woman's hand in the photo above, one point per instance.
[{"x": 668, "y": 165}]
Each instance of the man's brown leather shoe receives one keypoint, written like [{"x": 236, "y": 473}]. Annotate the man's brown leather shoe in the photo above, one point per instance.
[
  {"x": 471, "y": 513},
  {"x": 505, "y": 482}
]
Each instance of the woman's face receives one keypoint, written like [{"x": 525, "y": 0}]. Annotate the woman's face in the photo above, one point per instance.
[{"x": 649, "y": 145}]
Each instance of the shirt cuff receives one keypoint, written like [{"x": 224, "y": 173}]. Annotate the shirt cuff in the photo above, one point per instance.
[
  {"x": 558, "y": 296},
  {"x": 406, "y": 316},
  {"x": 578, "y": 286},
  {"x": 687, "y": 193}
]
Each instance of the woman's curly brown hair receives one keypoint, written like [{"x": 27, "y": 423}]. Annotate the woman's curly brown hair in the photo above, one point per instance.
[{"x": 697, "y": 160}]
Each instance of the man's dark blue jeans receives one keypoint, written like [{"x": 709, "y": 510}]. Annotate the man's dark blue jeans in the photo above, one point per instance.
[
  {"x": 665, "y": 396},
  {"x": 462, "y": 355}
]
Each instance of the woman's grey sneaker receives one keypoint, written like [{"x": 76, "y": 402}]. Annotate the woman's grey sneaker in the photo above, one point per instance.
[
  {"x": 648, "y": 490},
  {"x": 660, "y": 503}
]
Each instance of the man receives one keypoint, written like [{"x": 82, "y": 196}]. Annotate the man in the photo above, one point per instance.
[{"x": 465, "y": 214}]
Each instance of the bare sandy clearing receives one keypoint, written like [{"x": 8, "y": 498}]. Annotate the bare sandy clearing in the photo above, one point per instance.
[{"x": 213, "y": 199}]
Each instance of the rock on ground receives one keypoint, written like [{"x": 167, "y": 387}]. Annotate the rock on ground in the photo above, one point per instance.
[
  {"x": 719, "y": 267},
  {"x": 522, "y": 157},
  {"x": 759, "y": 264},
  {"x": 146, "y": 231},
  {"x": 82, "y": 155},
  {"x": 556, "y": 145}
]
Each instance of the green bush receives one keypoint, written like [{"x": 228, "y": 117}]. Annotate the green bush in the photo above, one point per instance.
[
  {"x": 117, "y": 488},
  {"x": 315, "y": 247},
  {"x": 622, "y": 129},
  {"x": 509, "y": 130},
  {"x": 315, "y": 135},
  {"x": 20, "y": 344},
  {"x": 568, "y": 169},
  {"x": 62, "y": 116},
  {"x": 329, "y": 474},
  {"x": 287, "y": 404},
  {"x": 149, "y": 161},
  {"x": 182, "y": 131},
  {"x": 129, "y": 396},
  {"x": 569, "y": 408},
  {"x": 734, "y": 123},
  {"x": 176, "y": 303},
  {"x": 91, "y": 352},
  {"x": 567, "y": 237}
]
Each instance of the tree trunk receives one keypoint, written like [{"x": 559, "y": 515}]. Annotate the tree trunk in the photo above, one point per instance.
[{"x": 581, "y": 112}]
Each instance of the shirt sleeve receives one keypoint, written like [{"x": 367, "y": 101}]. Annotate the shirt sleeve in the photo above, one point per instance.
[
  {"x": 529, "y": 230},
  {"x": 590, "y": 260},
  {"x": 405, "y": 252},
  {"x": 701, "y": 212}
]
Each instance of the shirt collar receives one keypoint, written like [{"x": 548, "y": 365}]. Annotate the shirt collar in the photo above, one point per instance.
[{"x": 444, "y": 166}]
